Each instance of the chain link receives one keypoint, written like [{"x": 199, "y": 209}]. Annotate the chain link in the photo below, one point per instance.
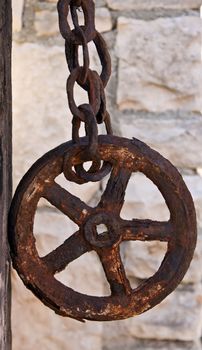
[{"x": 95, "y": 111}]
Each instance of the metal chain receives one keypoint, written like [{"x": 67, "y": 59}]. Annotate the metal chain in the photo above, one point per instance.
[{"x": 95, "y": 111}]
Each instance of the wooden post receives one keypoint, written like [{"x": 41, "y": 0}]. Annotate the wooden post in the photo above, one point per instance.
[{"x": 5, "y": 169}]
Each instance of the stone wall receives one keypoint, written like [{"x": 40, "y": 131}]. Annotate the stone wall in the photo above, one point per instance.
[{"x": 154, "y": 95}]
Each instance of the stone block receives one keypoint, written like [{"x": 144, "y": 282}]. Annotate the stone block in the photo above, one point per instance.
[
  {"x": 103, "y": 19},
  {"x": 178, "y": 317},
  {"x": 39, "y": 103},
  {"x": 199, "y": 171},
  {"x": 142, "y": 260},
  {"x": 159, "y": 64},
  {"x": 176, "y": 138},
  {"x": 84, "y": 275},
  {"x": 41, "y": 118},
  {"x": 153, "y": 4},
  {"x": 51, "y": 223},
  {"x": 144, "y": 201},
  {"x": 33, "y": 323},
  {"x": 131, "y": 344},
  {"x": 99, "y": 3},
  {"x": 17, "y": 8},
  {"x": 46, "y": 23},
  {"x": 194, "y": 183}
]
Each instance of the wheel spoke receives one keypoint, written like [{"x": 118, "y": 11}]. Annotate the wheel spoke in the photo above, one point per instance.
[
  {"x": 67, "y": 203},
  {"x": 113, "y": 197},
  {"x": 146, "y": 230},
  {"x": 71, "y": 249},
  {"x": 114, "y": 271}
]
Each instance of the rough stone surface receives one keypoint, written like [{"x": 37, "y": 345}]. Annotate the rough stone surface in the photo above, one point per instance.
[
  {"x": 46, "y": 23},
  {"x": 33, "y": 323},
  {"x": 85, "y": 274},
  {"x": 144, "y": 201},
  {"x": 17, "y": 7},
  {"x": 142, "y": 260},
  {"x": 40, "y": 325},
  {"x": 49, "y": 222},
  {"x": 176, "y": 138},
  {"x": 154, "y": 58},
  {"x": 103, "y": 20},
  {"x": 41, "y": 116},
  {"x": 153, "y": 4},
  {"x": 178, "y": 317},
  {"x": 132, "y": 344},
  {"x": 99, "y": 3},
  {"x": 195, "y": 186},
  {"x": 40, "y": 107},
  {"x": 199, "y": 171}
]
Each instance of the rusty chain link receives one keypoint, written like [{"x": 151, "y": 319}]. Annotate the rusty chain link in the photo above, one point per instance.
[{"x": 95, "y": 111}]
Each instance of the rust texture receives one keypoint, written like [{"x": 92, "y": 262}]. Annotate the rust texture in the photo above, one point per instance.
[{"x": 112, "y": 155}]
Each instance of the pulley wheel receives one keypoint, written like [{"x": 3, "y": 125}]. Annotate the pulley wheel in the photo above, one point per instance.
[{"x": 38, "y": 273}]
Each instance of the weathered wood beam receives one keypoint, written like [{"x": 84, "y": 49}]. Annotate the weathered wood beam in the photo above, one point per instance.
[{"x": 5, "y": 169}]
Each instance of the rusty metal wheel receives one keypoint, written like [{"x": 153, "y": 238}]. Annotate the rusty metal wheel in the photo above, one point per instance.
[{"x": 126, "y": 156}]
